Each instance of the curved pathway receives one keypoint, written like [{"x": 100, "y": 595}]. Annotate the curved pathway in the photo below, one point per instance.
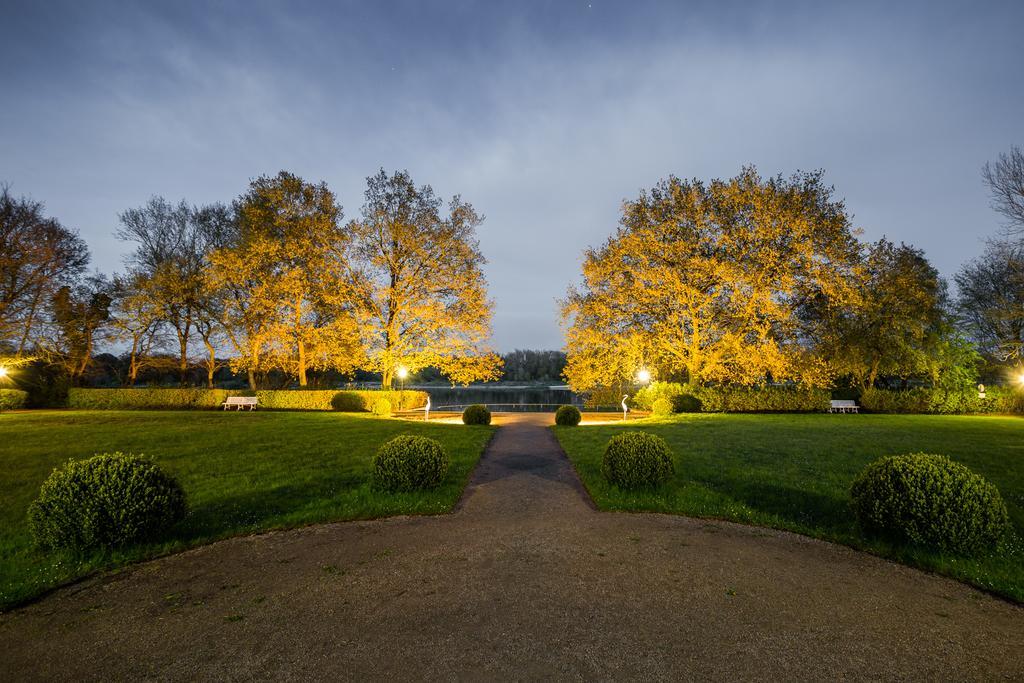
[{"x": 525, "y": 580}]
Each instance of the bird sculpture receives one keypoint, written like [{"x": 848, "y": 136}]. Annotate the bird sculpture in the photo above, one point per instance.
[
  {"x": 625, "y": 408},
  {"x": 426, "y": 410}
]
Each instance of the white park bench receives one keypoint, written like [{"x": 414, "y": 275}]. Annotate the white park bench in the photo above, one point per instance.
[
  {"x": 843, "y": 406},
  {"x": 239, "y": 402}
]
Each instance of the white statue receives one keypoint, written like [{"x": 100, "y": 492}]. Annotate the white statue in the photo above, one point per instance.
[
  {"x": 625, "y": 408},
  {"x": 426, "y": 410}
]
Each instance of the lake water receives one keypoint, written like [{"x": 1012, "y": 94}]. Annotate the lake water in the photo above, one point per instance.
[{"x": 501, "y": 398}]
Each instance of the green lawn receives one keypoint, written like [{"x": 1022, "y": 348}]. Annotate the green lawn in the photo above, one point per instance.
[
  {"x": 794, "y": 472},
  {"x": 242, "y": 472}
]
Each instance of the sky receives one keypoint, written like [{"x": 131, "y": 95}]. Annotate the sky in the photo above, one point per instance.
[{"x": 545, "y": 116}]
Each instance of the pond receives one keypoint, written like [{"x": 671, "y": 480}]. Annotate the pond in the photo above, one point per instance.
[{"x": 501, "y": 398}]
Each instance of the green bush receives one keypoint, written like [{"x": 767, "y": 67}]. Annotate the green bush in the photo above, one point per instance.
[
  {"x": 409, "y": 463},
  {"x": 106, "y": 501},
  {"x": 13, "y": 399},
  {"x": 686, "y": 403},
  {"x": 46, "y": 383},
  {"x": 568, "y": 416},
  {"x": 476, "y": 415},
  {"x": 382, "y": 407},
  {"x": 930, "y": 500},
  {"x": 662, "y": 406},
  {"x": 283, "y": 399},
  {"x": 688, "y": 398},
  {"x": 1001, "y": 400},
  {"x": 635, "y": 460}
]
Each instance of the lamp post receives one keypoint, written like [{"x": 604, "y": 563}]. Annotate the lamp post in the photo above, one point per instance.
[{"x": 402, "y": 372}]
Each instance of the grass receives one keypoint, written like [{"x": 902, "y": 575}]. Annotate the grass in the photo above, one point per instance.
[
  {"x": 243, "y": 473},
  {"x": 794, "y": 472}
]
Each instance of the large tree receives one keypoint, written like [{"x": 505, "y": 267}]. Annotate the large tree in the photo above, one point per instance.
[
  {"x": 172, "y": 242},
  {"x": 1005, "y": 181},
  {"x": 37, "y": 257},
  {"x": 420, "y": 285},
  {"x": 990, "y": 300},
  {"x": 135, "y": 320},
  {"x": 895, "y": 325},
  {"x": 286, "y": 294},
  {"x": 79, "y": 314},
  {"x": 704, "y": 281}
]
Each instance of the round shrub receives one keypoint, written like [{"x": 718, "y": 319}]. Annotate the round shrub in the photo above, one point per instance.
[
  {"x": 106, "y": 501},
  {"x": 382, "y": 407},
  {"x": 662, "y": 406},
  {"x": 636, "y": 460},
  {"x": 409, "y": 463},
  {"x": 568, "y": 416},
  {"x": 476, "y": 415},
  {"x": 930, "y": 500}
]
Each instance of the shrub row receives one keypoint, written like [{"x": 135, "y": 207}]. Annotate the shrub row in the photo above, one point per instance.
[
  {"x": 917, "y": 499},
  {"x": 13, "y": 399},
  {"x": 657, "y": 396},
  {"x": 942, "y": 402},
  {"x": 285, "y": 399}
]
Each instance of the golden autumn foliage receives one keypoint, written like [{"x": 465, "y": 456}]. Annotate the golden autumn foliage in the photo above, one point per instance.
[
  {"x": 705, "y": 282},
  {"x": 286, "y": 281},
  {"x": 420, "y": 288}
]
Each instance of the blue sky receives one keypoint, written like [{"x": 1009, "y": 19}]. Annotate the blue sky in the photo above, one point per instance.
[{"x": 544, "y": 115}]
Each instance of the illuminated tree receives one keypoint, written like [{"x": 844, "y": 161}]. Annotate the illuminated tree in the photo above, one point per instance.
[
  {"x": 172, "y": 241},
  {"x": 705, "y": 282},
  {"x": 286, "y": 280},
  {"x": 420, "y": 286},
  {"x": 37, "y": 256},
  {"x": 135, "y": 320}
]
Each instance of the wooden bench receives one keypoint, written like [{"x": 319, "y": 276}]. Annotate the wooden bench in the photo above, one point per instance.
[
  {"x": 843, "y": 406},
  {"x": 239, "y": 402}
]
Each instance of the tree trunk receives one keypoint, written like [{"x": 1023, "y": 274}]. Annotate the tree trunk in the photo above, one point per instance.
[
  {"x": 873, "y": 374},
  {"x": 133, "y": 367},
  {"x": 211, "y": 364},
  {"x": 252, "y": 380},
  {"x": 302, "y": 364}
]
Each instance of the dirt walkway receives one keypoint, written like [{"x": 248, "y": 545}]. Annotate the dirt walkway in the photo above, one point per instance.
[{"x": 524, "y": 581}]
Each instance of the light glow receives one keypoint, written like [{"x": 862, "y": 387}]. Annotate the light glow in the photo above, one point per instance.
[
  {"x": 644, "y": 376},
  {"x": 403, "y": 372},
  {"x": 3, "y": 372},
  {"x": 1020, "y": 378}
]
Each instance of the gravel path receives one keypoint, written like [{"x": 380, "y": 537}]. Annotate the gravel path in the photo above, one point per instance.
[{"x": 525, "y": 581}]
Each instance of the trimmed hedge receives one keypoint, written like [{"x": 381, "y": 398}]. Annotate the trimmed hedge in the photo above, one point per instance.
[
  {"x": 998, "y": 400},
  {"x": 733, "y": 398},
  {"x": 13, "y": 399},
  {"x": 637, "y": 460},
  {"x": 476, "y": 414},
  {"x": 106, "y": 501},
  {"x": 568, "y": 416},
  {"x": 930, "y": 500},
  {"x": 409, "y": 463},
  {"x": 284, "y": 399}
]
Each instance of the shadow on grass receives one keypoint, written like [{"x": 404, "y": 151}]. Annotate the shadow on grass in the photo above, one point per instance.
[{"x": 799, "y": 507}]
